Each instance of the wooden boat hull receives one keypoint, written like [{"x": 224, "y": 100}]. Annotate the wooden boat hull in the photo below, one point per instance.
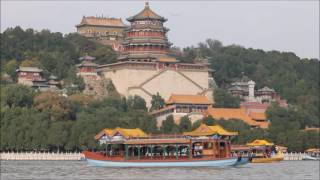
[
  {"x": 210, "y": 163},
  {"x": 242, "y": 161},
  {"x": 97, "y": 160}
]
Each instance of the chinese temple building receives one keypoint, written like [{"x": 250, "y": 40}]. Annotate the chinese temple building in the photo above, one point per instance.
[
  {"x": 145, "y": 68},
  {"x": 193, "y": 106},
  {"x": 32, "y": 76},
  {"x": 252, "y": 119},
  {"x": 108, "y": 31},
  {"x": 146, "y": 38},
  {"x": 87, "y": 67}
]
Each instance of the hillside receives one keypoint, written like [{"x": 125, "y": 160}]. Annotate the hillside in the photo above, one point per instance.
[{"x": 33, "y": 120}]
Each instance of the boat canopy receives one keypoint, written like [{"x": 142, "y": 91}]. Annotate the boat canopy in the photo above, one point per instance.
[
  {"x": 205, "y": 130},
  {"x": 126, "y": 133},
  {"x": 260, "y": 142}
]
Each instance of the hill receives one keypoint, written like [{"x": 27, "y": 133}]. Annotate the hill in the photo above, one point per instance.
[{"x": 32, "y": 120}]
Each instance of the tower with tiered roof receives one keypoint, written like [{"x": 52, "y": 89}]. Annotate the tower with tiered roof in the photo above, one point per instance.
[
  {"x": 144, "y": 67},
  {"x": 145, "y": 38}
]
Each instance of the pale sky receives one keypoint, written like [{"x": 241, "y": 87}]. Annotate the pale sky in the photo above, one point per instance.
[{"x": 268, "y": 25}]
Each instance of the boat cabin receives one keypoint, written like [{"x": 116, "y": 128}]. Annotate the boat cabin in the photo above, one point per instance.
[{"x": 206, "y": 142}]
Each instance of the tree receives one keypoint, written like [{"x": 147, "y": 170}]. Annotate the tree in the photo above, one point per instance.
[
  {"x": 10, "y": 68},
  {"x": 208, "y": 121},
  {"x": 137, "y": 102},
  {"x": 57, "y": 106},
  {"x": 17, "y": 95},
  {"x": 73, "y": 83},
  {"x": 157, "y": 102},
  {"x": 185, "y": 124},
  {"x": 169, "y": 126},
  {"x": 223, "y": 99}
]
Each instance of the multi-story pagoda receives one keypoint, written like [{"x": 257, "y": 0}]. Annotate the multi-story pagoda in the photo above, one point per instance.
[
  {"x": 87, "y": 67},
  {"x": 145, "y": 39},
  {"x": 145, "y": 68}
]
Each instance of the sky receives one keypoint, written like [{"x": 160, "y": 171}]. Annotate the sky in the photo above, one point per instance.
[{"x": 268, "y": 25}]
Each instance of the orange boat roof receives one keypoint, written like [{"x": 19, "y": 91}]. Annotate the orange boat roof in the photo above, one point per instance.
[
  {"x": 260, "y": 142},
  {"x": 205, "y": 130}
]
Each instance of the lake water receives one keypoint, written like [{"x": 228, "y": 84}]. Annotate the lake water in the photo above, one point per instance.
[{"x": 291, "y": 170}]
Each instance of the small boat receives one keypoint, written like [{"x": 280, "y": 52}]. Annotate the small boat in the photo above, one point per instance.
[
  {"x": 313, "y": 154},
  {"x": 262, "y": 152},
  {"x": 207, "y": 146},
  {"x": 275, "y": 158},
  {"x": 310, "y": 158}
]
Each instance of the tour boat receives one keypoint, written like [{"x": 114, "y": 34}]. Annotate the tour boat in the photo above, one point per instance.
[{"x": 207, "y": 146}]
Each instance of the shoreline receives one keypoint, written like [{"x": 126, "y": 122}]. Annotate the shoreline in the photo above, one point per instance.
[
  {"x": 36, "y": 156},
  {"x": 47, "y": 156}
]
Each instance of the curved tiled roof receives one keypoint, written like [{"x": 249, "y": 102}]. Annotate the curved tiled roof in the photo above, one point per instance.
[
  {"x": 260, "y": 142},
  {"x": 231, "y": 113},
  {"x": 102, "y": 21},
  {"x": 146, "y": 13},
  {"x": 188, "y": 99},
  {"x": 205, "y": 130},
  {"x": 266, "y": 89}
]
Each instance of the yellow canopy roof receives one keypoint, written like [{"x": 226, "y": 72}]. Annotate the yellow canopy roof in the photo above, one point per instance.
[
  {"x": 129, "y": 132},
  {"x": 124, "y": 132},
  {"x": 204, "y": 130},
  {"x": 260, "y": 142},
  {"x": 103, "y": 132}
]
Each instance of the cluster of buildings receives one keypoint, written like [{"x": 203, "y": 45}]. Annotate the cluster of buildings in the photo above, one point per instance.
[
  {"x": 145, "y": 68},
  {"x": 33, "y": 77}
]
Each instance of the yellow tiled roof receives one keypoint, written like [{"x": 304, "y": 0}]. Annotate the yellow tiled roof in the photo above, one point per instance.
[
  {"x": 204, "y": 130},
  {"x": 125, "y": 132},
  {"x": 188, "y": 99},
  {"x": 231, "y": 113},
  {"x": 129, "y": 132},
  {"x": 260, "y": 142},
  {"x": 102, "y": 21},
  {"x": 103, "y": 132}
]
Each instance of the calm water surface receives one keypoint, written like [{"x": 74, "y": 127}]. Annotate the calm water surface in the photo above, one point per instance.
[{"x": 290, "y": 170}]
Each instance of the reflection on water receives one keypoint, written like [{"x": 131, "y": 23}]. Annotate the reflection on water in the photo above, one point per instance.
[{"x": 79, "y": 170}]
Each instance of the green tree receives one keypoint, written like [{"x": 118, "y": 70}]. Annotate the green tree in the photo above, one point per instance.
[
  {"x": 17, "y": 95},
  {"x": 136, "y": 102},
  {"x": 223, "y": 99},
  {"x": 185, "y": 124},
  {"x": 169, "y": 126},
  {"x": 157, "y": 102}
]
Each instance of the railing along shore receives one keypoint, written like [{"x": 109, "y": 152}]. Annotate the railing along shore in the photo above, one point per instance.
[
  {"x": 46, "y": 156},
  {"x": 71, "y": 156}
]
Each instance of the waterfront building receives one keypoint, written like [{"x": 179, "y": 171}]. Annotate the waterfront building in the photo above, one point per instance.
[
  {"x": 145, "y": 68},
  {"x": 107, "y": 31}
]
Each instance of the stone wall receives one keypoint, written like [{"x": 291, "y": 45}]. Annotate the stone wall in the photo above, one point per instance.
[{"x": 146, "y": 82}]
